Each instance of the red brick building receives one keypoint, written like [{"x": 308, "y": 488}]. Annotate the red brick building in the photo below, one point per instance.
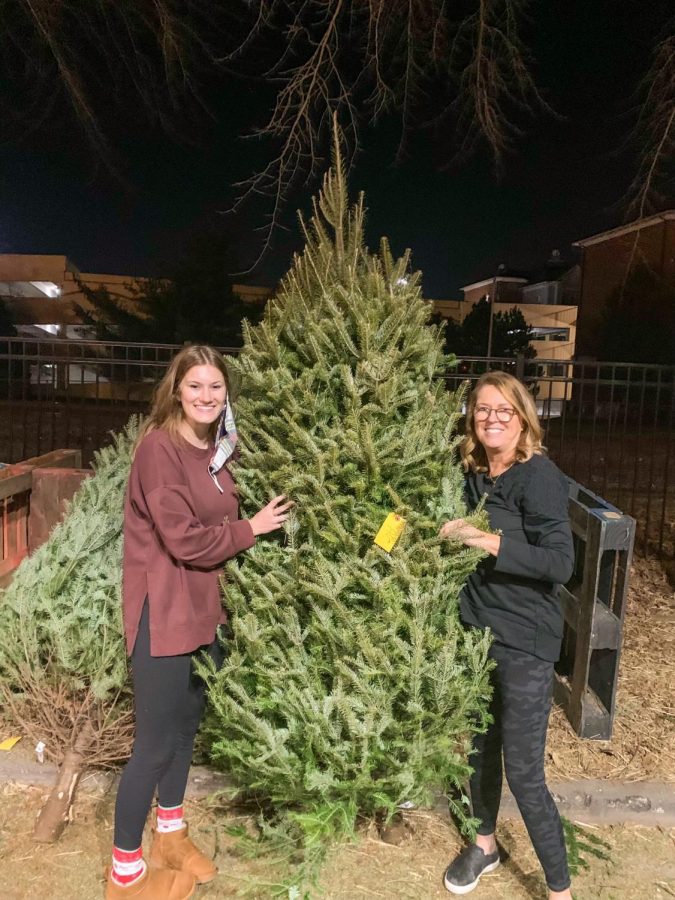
[{"x": 608, "y": 257}]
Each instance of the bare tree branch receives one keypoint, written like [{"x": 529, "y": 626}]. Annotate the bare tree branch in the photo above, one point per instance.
[
  {"x": 655, "y": 132},
  {"x": 310, "y": 90},
  {"x": 496, "y": 83},
  {"x": 87, "y": 52},
  {"x": 457, "y": 64},
  {"x": 364, "y": 58}
]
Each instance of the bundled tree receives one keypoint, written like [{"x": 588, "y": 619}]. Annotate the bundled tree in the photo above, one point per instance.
[
  {"x": 63, "y": 674},
  {"x": 350, "y": 686}
]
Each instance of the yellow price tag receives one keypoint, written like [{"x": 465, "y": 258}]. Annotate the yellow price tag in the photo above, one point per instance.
[
  {"x": 9, "y": 743},
  {"x": 390, "y": 531}
]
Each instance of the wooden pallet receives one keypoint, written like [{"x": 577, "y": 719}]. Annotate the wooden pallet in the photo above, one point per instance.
[{"x": 594, "y": 605}]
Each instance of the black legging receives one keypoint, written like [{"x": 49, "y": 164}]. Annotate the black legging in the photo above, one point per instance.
[
  {"x": 520, "y": 707},
  {"x": 169, "y": 701}
]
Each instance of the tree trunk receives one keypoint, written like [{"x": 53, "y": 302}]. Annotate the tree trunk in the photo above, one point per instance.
[{"x": 55, "y": 814}]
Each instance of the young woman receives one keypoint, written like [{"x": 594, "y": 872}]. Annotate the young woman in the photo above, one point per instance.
[
  {"x": 513, "y": 592},
  {"x": 181, "y": 522}
]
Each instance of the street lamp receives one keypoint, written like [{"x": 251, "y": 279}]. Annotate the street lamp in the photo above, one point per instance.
[{"x": 492, "y": 297}]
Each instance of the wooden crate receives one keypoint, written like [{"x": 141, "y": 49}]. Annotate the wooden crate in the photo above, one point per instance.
[{"x": 28, "y": 518}]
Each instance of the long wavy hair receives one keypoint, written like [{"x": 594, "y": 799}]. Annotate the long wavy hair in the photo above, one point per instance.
[
  {"x": 166, "y": 411},
  {"x": 472, "y": 451}
]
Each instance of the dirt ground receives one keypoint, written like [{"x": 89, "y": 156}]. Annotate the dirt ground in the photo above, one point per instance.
[{"x": 642, "y": 864}]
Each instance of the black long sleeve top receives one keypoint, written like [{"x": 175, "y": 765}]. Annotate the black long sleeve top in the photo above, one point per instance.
[{"x": 515, "y": 594}]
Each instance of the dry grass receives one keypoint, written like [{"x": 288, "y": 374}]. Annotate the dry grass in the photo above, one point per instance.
[
  {"x": 643, "y": 744},
  {"x": 642, "y": 866}
]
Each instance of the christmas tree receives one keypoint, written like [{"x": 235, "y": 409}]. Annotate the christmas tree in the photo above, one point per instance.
[
  {"x": 350, "y": 686},
  {"x": 63, "y": 671}
]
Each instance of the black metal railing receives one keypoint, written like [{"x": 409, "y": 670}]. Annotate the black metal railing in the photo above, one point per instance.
[
  {"x": 72, "y": 393},
  {"x": 609, "y": 426}
]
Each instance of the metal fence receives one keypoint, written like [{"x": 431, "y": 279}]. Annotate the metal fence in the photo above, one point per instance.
[
  {"x": 608, "y": 426},
  {"x": 72, "y": 393}
]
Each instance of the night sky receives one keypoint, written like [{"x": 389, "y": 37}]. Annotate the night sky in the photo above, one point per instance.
[{"x": 564, "y": 182}]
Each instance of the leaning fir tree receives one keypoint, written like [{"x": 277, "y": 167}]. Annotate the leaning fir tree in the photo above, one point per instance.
[
  {"x": 350, "y": 687},
  {"x": 63, "y": 670}
]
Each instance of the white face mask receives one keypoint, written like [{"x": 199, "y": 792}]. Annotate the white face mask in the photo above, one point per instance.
[{"x": 226, "y": 440}]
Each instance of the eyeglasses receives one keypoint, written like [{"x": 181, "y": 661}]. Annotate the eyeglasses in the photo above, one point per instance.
[{"x": 504, "y": 414}]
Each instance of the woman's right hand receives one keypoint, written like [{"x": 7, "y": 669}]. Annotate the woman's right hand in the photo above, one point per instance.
[{"x": 271, "y": 516}]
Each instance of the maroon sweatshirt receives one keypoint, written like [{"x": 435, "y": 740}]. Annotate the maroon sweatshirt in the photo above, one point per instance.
[{"x": 178, "y": 531}]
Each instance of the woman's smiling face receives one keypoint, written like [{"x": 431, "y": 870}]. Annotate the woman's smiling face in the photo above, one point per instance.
[
  {"x": 202, "y": 395},
  {"x": 495, "y": 436}
]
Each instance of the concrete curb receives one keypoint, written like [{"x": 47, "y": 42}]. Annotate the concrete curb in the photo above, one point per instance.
[
  {"x": 599, "y": 802},
  {"x": 593, "y": 801}
]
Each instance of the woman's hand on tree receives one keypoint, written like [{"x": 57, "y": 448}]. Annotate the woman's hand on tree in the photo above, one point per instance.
[
  {"x": 462, "y": 531},
  {"x": 271, "y": 516}
]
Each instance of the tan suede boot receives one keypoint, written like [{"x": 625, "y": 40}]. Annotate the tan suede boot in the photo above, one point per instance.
[
  {"x": 154, "y": 884},
  {"x": 176, "y": 851}
]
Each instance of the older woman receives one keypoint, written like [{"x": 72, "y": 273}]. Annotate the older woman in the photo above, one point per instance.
[{"x": 514, "y": 593}]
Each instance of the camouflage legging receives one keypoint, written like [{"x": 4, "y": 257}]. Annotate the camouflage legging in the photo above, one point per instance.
[{"x": 520, "y": 706}]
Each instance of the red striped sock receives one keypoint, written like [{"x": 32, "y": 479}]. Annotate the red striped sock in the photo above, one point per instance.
[
  {"x": 127, "y": 865},
  {"x": 169, "y": 819}
]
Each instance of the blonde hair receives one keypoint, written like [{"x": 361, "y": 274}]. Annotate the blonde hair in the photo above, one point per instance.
[
  {"x": 166, "y": 412},
  {"x": 471, "y": 450}
]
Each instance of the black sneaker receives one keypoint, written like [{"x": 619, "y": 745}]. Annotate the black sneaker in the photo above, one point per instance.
[{"x": 463, "y": 873}]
